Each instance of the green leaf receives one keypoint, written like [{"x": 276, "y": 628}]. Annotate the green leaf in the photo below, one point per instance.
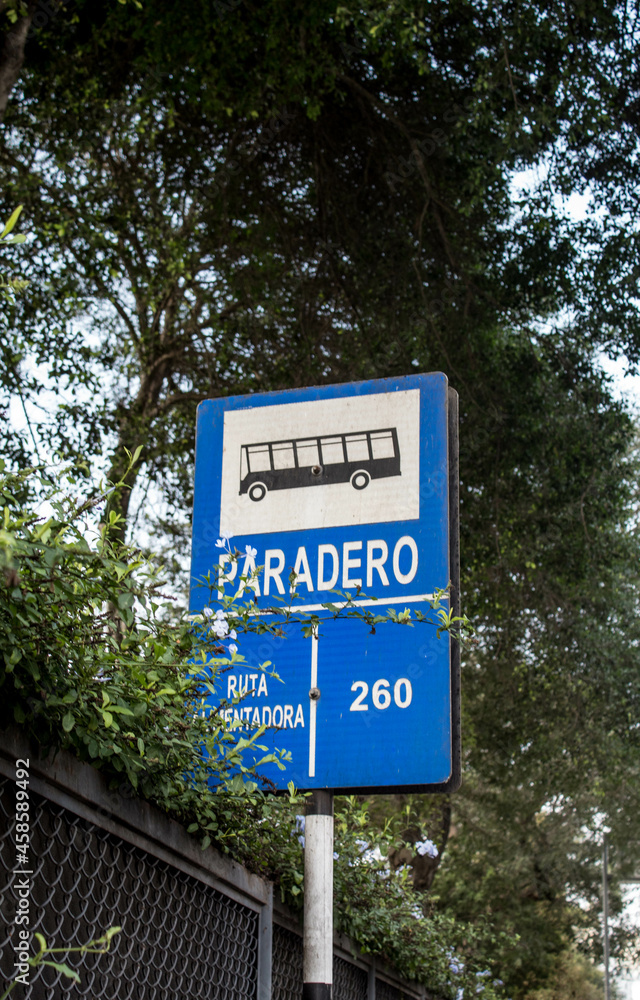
[
  {"x": 68, "y": 722},
  {"x": 51, "y": 555},
  {"x": 64, "y": 969},
  {"x": 125, "y": 600},
  {"x": 13, "y": 218}
]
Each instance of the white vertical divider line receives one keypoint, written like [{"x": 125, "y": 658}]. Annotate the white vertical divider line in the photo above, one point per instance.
[{"x": 313, "y": 704}]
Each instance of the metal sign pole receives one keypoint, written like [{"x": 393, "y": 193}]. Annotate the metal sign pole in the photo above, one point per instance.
[{"x": 318, "y": 898}]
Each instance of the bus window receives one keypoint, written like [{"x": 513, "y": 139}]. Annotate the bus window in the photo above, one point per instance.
[
  {"x": 307, "y": 453},
  {"x": 357, "y": 447},
  {"x": 382, "y": 445},
  {"x": 259, "y": 459},
  {"x": 283, "y": 456},
  {"x": 332, "y": 450}
]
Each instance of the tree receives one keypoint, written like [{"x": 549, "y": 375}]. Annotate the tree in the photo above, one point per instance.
[
  {"x": 572, "y": 978},
  {"x": 365, "y": 184},
  {"x": 361, "y": 222}
]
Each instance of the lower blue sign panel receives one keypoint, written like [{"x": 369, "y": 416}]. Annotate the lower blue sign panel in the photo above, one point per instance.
[{"x": 349, "y": 711}]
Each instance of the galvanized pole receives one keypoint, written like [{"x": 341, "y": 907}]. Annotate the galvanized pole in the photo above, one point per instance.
[
  {"x": 318, "y": 898},
  {"x": 605, "y": 914}
]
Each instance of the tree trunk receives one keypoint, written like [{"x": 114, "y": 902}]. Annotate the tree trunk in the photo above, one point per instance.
[
  {"x": 134, "y": 431},
  {"x": 12, "y": 53}
]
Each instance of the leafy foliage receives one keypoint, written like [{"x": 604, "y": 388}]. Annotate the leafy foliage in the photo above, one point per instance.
[
  {"x": 9, "y": 286},
  {"x": 572, "y": 977},
  {"x": 345, "y": 213},
  {"x": 376, "y": 904},
  {"x": 91, "y": 663}
]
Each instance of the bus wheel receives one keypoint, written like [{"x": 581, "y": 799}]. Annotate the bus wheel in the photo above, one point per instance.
[
  {"x": 360, "y": 479},
  {"x": 257, "y": 491}
]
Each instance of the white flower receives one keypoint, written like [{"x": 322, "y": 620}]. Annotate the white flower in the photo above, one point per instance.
[
  {"x": 371, "y": 855},
  {"x": 300, "y": 823},
  {"x": 233, "y": 649},
  {"x": 220, "y": 628},
  {"x": 221, "y": 615},
  {"x": 207, "y": 612},
  {"x": 427, "y": 847},
  {"x": 233, "y": 634},
  {"x": 251, "y": 551},
  {"x": 335, "y": 856},
  {"x": 456, "y": 966}
]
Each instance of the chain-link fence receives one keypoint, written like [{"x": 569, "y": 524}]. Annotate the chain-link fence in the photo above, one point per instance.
[
  {"x": 194, "y": 924},
  {"x": 86, "y": 880}
]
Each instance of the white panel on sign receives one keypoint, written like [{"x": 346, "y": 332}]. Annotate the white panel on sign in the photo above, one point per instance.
[{"x": 321, "y": 463}]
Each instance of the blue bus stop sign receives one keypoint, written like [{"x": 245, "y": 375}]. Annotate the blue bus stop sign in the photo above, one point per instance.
[{"x": 354, "y": 488}]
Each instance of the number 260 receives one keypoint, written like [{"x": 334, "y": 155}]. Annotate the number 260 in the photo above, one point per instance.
[{"x": 381, "y": 695}]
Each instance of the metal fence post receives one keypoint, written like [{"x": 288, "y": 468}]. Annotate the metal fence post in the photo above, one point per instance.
[
  {"x": 265, "y": 948},
  {"x": 371, "y": 980}
]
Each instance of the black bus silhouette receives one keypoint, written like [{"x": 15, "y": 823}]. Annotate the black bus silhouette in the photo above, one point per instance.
[{"x": 356, "y": 458}]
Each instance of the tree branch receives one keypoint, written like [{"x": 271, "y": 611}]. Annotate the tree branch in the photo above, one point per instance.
[
  {"x": 12, "y": 54},
  {"x": 176, "y": 400}
]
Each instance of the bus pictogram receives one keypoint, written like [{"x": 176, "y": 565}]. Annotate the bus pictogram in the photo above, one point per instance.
[{"x": 356, "y": 458}]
